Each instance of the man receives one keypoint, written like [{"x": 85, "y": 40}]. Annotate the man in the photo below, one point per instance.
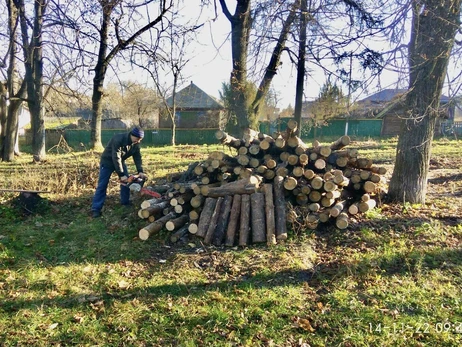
[{"x": 119, "y": 148}]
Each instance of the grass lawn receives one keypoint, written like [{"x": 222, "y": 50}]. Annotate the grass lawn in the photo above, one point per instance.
[{"x": 393, "y": 278}]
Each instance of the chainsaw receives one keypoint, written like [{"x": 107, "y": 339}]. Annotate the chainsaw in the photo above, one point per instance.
[{"x": 135, "y": 184}]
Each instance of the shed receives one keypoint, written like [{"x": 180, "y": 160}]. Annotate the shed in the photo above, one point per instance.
[{"x": 386, "y": 104}]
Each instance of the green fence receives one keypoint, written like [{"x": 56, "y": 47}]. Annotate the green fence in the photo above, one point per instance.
[
  {"x": 158, "y": 137},
  {"x": 335, "y": 128},
  {"x": 162, "y": 137}
]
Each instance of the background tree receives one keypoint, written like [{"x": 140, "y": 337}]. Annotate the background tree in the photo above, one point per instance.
[
  {"x": 32, "y": 46},
  {"x": 434, "y": 26},
  {"x": 121, "y": 24},
  {"x": 15, "y": 89},
  {"x": 141, "y": 103},
  {"x": 241, "y": 24},
  {"x": 301, "y": 65},
  {"x": 330, "y": 103}
]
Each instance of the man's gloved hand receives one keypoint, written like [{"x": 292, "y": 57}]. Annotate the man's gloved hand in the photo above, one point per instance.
[
  {"x": 124, "y": 179},
  {"x": 142, "y": 175}
]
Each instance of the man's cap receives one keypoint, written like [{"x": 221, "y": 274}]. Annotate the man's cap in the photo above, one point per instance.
[{"x": 137, "y": 132}]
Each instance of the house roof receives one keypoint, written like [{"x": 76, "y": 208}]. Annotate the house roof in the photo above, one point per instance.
[
  {"x": 386, "y": 95},
  {"x": 192, "y": 97}
]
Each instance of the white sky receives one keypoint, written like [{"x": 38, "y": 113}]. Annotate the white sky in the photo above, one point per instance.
[{"x": 211, "y": 63}]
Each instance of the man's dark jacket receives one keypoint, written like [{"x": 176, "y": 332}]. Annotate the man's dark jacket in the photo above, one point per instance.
[{"x": 118, "y": 149}]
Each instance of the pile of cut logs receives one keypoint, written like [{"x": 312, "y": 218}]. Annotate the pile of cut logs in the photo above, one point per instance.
[{"x": 246, "y": 198}]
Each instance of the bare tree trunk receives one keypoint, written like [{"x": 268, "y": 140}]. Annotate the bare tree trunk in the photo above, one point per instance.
[
  {"x": 241, "y": 23},
  {"x": 104, "y": 59},
  {"x": 34, "y": 74},
  {"x": 15, "y": 89},
  {"x": 432, "y": 39},
  {"x": 301, "y": 66}
]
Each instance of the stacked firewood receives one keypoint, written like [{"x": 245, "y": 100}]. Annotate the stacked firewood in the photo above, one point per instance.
[{"x": 250, "y": 197}]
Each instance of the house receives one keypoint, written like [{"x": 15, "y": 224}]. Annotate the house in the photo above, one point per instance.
[
  {"x": 107, "y": 122},
  {"x": 387, "y": 106},
  {"x": 194, "y": 108}
]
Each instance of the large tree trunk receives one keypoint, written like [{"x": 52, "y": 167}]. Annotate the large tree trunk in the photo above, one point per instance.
[
  {"x": 434, "y": 26},
  {"x": 241, "y": 25},
  {"x": 104, "y": 60},
  {"x": 98, "y": 80},
  {"x": 34, "y": 75},
  {"x": 15, "y": 89},
  {"x": 301, "y": 66},
  {"x": 240, "y": 32}
]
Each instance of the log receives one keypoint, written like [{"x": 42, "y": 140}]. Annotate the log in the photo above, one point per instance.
[
  {"x": 241, "y": 186},
  {"x": 302, "y": 199},
  {"x": 269, "y": 214},
  {"x": 365, "y": 206},
  {"x": 342, "y": 221},
  {"x": 220, "y": 230},
  {"x": 192, "y": 228},
  {"x": 338, "y": 208},
  {"x": 289, "y": 182},
  {"x": 197, "y": 201},
  {"x": 154, "y": 209},
  {"x": 206, "y": 215},
  {"x": 213, "y": 221},
  {"x": 320, "y": 164},
  {"x": 353, "y": 208},
  {"x": 257, "y": 203},
  {"x": 244, "y": 224},
  {"x": 228, "y": 140},
  {"x": 151, "y": 202},
  {"x": 369, "y": 187},
  {"x": 309, "y": 174},
  {"x": 176, "y": 223},
  {"x": 280, "y": 208},
  {"x": 340, "y": 143},
  {"x": 180, "y": 233},
  {"x": 155, "y": 226},
  {"x": 233, "y": 220},
  {"x": 317, "y": 183},
  {"x": 195, "y": 213}
]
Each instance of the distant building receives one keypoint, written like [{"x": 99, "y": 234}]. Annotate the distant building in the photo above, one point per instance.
[
  {"x": 194, "y": 108},
  {"x": 387, "y": 106},
  {"x": 107, "y": 122}
]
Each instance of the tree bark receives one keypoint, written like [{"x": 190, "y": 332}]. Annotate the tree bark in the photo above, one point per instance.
[{"x": 434, "y": 26}]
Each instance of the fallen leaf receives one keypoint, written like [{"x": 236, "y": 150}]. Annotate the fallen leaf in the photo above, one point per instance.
[
  {"x": 53, "y": 326},
  {"x": 123, "y": 284},
  {"x": 303, "y": 323}
]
